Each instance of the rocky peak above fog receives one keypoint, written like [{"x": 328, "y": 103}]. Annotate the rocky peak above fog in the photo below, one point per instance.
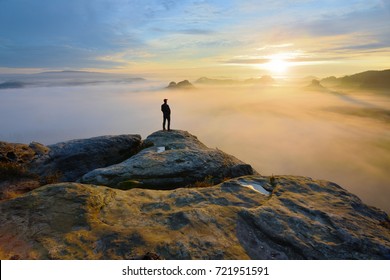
[
  {"x": 213, "y": 205},
  {"x": 180, "y": 85},
  {"x": 315, "y": 85}
]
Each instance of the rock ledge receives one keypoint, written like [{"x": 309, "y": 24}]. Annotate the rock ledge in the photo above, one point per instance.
[{"x": 174, "y": 159}]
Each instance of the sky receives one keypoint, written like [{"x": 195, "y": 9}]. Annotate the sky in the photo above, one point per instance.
[{"x": 189, "y": 38}]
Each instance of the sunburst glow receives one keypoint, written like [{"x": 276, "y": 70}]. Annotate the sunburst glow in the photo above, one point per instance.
[{"x": 277, "y": 64}]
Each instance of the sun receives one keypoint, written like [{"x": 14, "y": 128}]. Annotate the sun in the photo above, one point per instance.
[{"x": 277, "y": 64}]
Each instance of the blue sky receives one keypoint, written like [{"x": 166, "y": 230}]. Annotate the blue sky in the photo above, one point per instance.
[{"x": 167, "y": 35}]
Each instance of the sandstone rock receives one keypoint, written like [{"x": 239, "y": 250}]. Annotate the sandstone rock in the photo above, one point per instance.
[
  {"x": 249, "y": 217},
  {"x": 39, "y": 149},
  {"x": 15, "y": 177},
  {"x": 313, "y": 219},
  {"x": 15, "y": 187},
  {"x": 25, "y": 167},
  {"x": 296, "y": 218},
  {"x": 176, "y": 159},
  {"x": 14, "y": 152},
  {"x": 72, "y": 159}
]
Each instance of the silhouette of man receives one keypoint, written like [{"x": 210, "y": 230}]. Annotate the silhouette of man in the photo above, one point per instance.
[{"x": 166, "y": 114}]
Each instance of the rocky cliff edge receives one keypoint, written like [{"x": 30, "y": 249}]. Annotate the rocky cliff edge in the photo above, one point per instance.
[{"x": 225, "y": 210}]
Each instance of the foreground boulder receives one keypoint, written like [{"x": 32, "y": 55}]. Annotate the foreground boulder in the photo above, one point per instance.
[
  {"x": 251, "y": 217},
  {"x": 71, "y": 159},
  {"x": 26, "y": 167},
  {"x": 174, "y": 159},
  {"x": 15, "y": 161}
]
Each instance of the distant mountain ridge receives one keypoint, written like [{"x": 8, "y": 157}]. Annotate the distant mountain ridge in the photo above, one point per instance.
[
  {"x": 369, "y": 79},
  {"x": 262, "y": 80},
  {"x": 63, "y": 78},
  {"x": 76, "y": 72}
]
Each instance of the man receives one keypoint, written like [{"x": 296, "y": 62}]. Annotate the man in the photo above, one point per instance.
[{"x": 166, "y": 114}]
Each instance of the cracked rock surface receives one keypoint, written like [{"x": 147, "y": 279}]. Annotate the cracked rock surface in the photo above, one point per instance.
[{"x": 299, "y": 218}]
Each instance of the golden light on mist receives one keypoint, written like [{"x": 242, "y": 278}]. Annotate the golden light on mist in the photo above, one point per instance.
[{"x": 277, "y": 65}]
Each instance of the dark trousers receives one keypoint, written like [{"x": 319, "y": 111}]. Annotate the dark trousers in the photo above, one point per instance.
[{"x": 167, "y": 118}]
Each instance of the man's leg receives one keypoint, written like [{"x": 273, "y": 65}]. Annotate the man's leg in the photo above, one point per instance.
[
  {"x": 169, "y": 122},
  {"x": 164, "y": 120}
]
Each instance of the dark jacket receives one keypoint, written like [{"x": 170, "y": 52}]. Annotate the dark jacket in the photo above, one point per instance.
[{"x": 165, "y": 109}]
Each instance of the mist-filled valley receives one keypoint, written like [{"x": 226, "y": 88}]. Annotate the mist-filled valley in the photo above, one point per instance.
[{"x": 337, "y": 135}]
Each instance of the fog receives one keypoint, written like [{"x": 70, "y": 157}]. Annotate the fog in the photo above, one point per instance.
[{"x": 341, "y": 136}]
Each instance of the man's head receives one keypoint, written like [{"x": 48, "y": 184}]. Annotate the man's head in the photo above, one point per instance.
[{"x": 165, "y": 100}]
